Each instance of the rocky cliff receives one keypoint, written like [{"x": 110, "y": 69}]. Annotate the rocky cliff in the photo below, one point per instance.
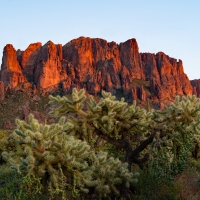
[{"x": 95, "y": 64}]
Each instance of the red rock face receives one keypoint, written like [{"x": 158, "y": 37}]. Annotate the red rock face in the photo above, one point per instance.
[
  {"x": 28, "y": 58},
  {"x": 95, "y": 64},
  {"x": 48, "y": 69},
  {"x": 102, "y": 65},
  {"x": 166, "y": 76},
  {"x": 11, "y": 73}
]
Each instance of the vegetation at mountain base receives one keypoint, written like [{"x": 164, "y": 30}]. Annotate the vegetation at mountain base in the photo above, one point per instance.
[{"x": 102, "y": 149}]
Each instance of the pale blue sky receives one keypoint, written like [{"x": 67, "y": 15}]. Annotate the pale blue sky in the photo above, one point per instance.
[{"x": 171, "y": 26}]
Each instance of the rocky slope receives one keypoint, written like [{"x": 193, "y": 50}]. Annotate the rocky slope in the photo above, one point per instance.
[{"x": 94, "y": 64}]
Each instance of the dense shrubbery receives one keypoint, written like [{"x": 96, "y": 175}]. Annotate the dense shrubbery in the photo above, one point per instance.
[{"x": 100, "y": 150}]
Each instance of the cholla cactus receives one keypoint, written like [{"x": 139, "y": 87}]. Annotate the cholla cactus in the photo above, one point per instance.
[
  {"x": 61, "y": 161},
  {"x": 5, "y": 143},
  {"x": 3, "y": 140},
  {"x": 178, "y": 129},
  {"x": 178, "y": 123},
  {"x": 131, "y": 128},
  {"x": 109, "y": 175},
  {"x": 110, "y": 116},
  {"x": 114, "y": 121}
]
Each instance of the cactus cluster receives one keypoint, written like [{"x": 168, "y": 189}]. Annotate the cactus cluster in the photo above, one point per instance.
[
  {"x": 179, "y": 127},
  {"x": 112, "y": 117},
  {"x": 63, "y": 162},
  {"x": 169, "y": 132}
]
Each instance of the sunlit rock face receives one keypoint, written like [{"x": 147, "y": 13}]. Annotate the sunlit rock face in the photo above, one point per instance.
[
  {"x": 95, "y": 64},
  {"x": 11, "y": 72},
  {"x": 166, "y": 75},
  {"x": 101, "y": 65},
  {"x": 48, "y": 67},
  {"x": 29, "y": 57}
]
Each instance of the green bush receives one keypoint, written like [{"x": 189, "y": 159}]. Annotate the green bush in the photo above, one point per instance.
[
  {"x": 151, "y": 187},
  {"x": 14, "y": 186},
  {"x": 10, "y": 182}
]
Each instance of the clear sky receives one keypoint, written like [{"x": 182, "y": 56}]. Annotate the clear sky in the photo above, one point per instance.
[{"x": 171, "y": 26}]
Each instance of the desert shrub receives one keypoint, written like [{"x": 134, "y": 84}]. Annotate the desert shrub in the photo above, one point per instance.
[
  {"x": 151, "y": 186},
  {"x": 10, "y": 182},
  {"x": 14, "y": 186}
]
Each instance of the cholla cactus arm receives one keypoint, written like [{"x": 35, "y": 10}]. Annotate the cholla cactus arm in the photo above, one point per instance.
[
  {"x": 74, "y": 105},
  {"x": 109, "y": 173},
  {"x": 5, "y": 143}
]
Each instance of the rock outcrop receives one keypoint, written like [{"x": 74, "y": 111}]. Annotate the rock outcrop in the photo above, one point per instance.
[
  {"x": 95, "y": 64},
  {"x": 48, "y": 68},
  {"x": 38, "y": 115},
  {"x": 11, "y": 73},
  {"x": 196, "y": 87},
  {"x": 28, "y": 59},
  {"x": 166, "y": 76}
]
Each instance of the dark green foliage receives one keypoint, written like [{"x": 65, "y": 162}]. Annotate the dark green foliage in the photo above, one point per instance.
[
  {"x": 153, "y": 186},
  {"x": 156, "y": 180},
  {"x": 10, "y": 182},
  {"x": 15, "y": 186}
]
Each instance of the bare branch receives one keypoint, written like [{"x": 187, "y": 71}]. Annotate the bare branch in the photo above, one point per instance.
[
  {"x": 144, "y": 144},
  {"x": 118, "y": 143}
]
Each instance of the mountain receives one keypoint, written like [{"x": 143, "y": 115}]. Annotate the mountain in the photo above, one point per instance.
[{"x": 94, "y": 64}]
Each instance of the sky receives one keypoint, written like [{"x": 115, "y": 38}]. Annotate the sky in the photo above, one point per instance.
[{"x": 170, "y": 26}]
